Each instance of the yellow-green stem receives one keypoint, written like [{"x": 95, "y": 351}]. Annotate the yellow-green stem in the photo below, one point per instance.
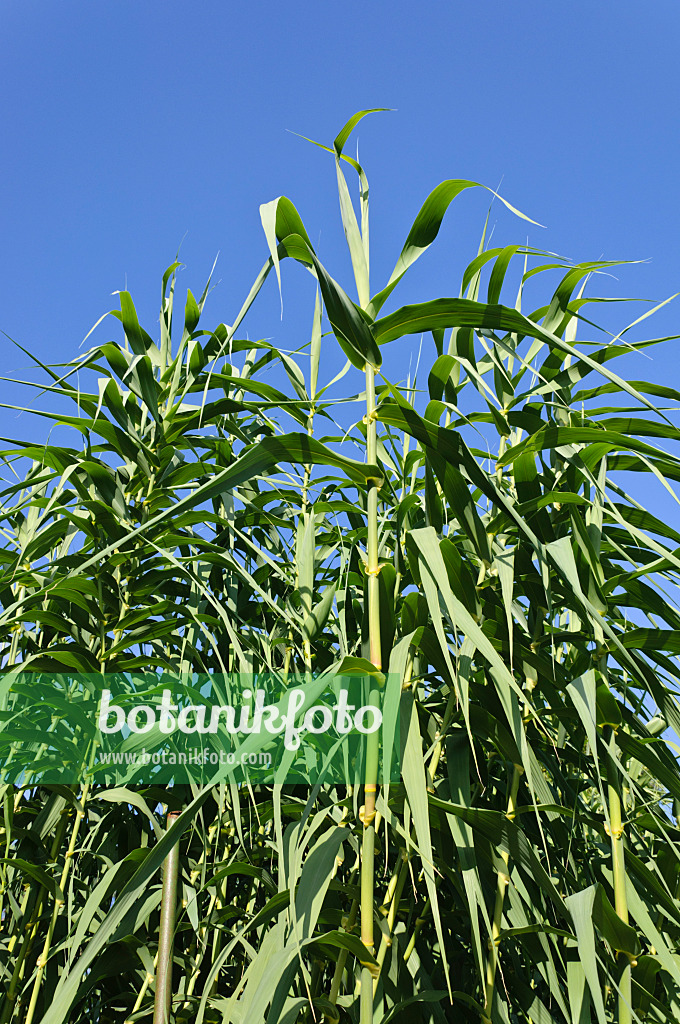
[
  {"x": 307, "y": 647},
  {"x": 17, "y": 973},
  {"x": 372, "y": 564},
  {"x": 393, "y": 898},
  {"x": 348, "y": 926},
  {"x": 371, "y": 777},
  {"x": 140, "y": 995},
  {"x": 420, "y": 921},
  {"x": 502, "y": 881},
  {"x": 616, "y": 831},
  {"x": 58, "y": 903}
]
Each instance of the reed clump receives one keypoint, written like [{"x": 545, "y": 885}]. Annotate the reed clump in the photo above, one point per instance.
[{"x": 491, "y": 548}]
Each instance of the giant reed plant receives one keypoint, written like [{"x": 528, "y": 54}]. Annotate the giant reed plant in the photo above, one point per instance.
[{"x": 492, "y": 550}]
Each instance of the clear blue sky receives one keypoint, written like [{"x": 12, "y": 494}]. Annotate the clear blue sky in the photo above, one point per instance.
[{"x": 131, "y": 126}]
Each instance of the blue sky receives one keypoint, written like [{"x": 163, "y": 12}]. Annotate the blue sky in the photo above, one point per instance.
[{"x": 132, "y": 126}]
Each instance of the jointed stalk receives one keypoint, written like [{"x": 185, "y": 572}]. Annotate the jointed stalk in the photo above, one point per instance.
[
  {"x": 163, "y": 1000},
  {"x": 140, "y": 995},
  {"x": 502, "y": 882},
  {"x": 215, "y": 901},
  {"x": 619, "y": 878},
  {"x": 420, "y": 921},
  {"x": 372, "y": 565},
  {"x": 371, "y": 777},
  {"x": 304, "y": 519},
  {"x": 392, "y": 899},
  {"x": 348, "y": 925},
  {"x": 30, "y": 910},
  {"x": 17, "y": 973},
  {"x": 58, "y": 903}
]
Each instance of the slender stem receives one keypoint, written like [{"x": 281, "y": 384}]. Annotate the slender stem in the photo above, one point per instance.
[
  {"x": 367, "y": 814},
  {"x": 393, "y": 897},
  {"x": 502, "y": 881},
  {"x": 619, "y": 877},
  {"x": 140, "y": 995},
  {"x": 289, "y": 652},
  {"x": 12, "y": 991},
  {"x": 201, "y": 941},
  {"x": 200, "y": 945},
  {"x": 420, "y": 921},
  {"x": 30, "y": 910},
  {"x": 348, "y": 926},
  {"x": 307, "y": 646},
  {"x": 372, "y": 565},
  {"x": 58, "y": 903},
  {"x": 502, "y": 877},
  {"x": 166, "y": 932}
]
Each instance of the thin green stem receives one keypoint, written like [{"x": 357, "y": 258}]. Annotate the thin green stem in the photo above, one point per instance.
[
  {"x": 140, "y": 995},
  {"x": 372, "y": 564},
  {"x": 58, "y": 903},
  {"x": 502, "y": 882},
  {"x": 420, "y": 921},
  {"x": 616, "y": 831},
  {"x": 367, "y": 814},
  {"x": 348, "y": 926},
  {"x": 392, "y": 899}
]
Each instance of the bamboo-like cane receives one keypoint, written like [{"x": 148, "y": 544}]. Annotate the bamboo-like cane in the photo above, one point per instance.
[
  {"x": 616, "y": 831},
  {"x": 163, "y": 998},
  {"x": 502, "y": 882},
  {"x": 367, "y": 814}
]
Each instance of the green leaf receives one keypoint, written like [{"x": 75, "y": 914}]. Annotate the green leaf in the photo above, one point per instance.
[
  {"x": 580, "y": 905},
  {"x": 425, "y": 229},
  {"x": 413, "y": 774},
  {"x": 620, "y": 936},
  {"x": 136, "y": 336},
  {"x": 35, "y": 872},
  {"x": 428, "y": 316},
  {"x": 192, "y": 313},
  {"x": 351, "y": 666},
  {"x": 345, "y": 132}
]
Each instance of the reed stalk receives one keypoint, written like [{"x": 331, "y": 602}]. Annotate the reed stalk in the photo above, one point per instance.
[
  {"x": 144, "y": 987},
  {"x": 166, "y": 932},
  {"x": 502, "y": 882},
  {"x": 367, "y": 814},
  {"x": 194, "y": 448},
  {"x": 348, "y": 924},
  {"x": 616, "y": 832},
  {"x": 58, "y": 903},
  {"x": 392, "y": 899}
]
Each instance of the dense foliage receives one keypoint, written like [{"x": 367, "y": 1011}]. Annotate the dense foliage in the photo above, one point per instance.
[{"x": 211, "y": 513}]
